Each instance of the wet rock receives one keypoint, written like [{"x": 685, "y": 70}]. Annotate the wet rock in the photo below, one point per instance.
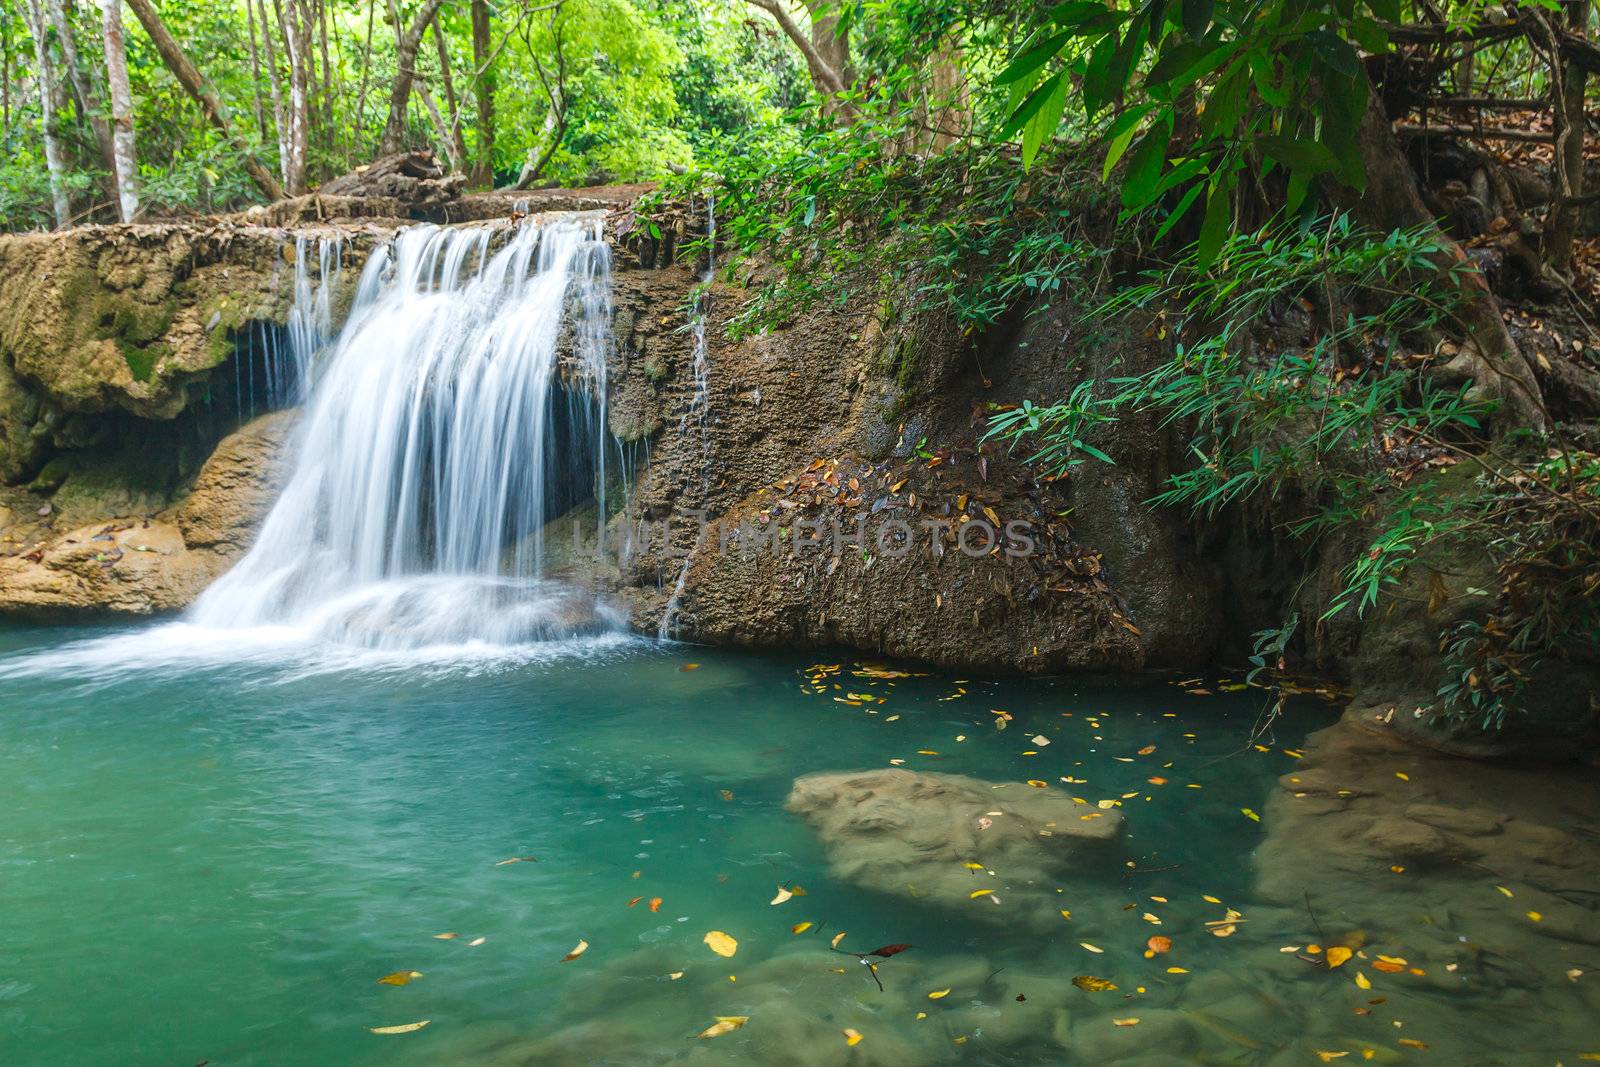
[
  {"x": 130, "y": 565},
  {"x": 912, "y": 834}
]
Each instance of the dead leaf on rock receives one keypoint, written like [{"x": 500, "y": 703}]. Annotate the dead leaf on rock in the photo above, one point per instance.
[
  {"x": 408, "y": 1028},
  {"x": 725, "y": 1024},
  {"x": 721, "y": 943},
  {"x": 399, "y": 978}
]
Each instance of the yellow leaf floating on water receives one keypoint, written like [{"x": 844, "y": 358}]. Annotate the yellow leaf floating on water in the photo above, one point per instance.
[
  {"x": 1329, "y": 1057},
  {"x": 721, "y": 944},
  {"x": 1402, "y": 775},
  {"x": 1125, "y": 1022},
  {"x": 1065, "y": 914},
  {"x": 1092, "y": 948},
  {"x": 1411, "y": 1042},
  {"x": 1090, "y": 984},
  {"x": 1362, "y": 981},
  {"x": 1153, "y": 920},
  {"x": 675, "y": 975},
  {"x": 939, "y": 994},
  {"x": 407, "y": 1028},
  {"x": 1535, "y": 916},
  {"x": 976, "y": 893},
  {"x": 475, "y": 942},
  {"x": 1038, "y": 784},
  {"x": 1338, "y": 956},
  {"x": 1504, "y": 890},
  {"x": 518, "y": 859},
  {"x": 783, "y": 895},
  {"x": 1389, "y": 964},
  {"x": 838, "y": 937},
  {"x": 689, "y": 667},
  {"x": 1210, "y": 899},
  {"x": 1177, "y": 970},
  {"x": 725, "y": 1024},
  {"x": 577, "y": 950},
  {"x": 399, "y": 977},
  {"x": 851, "y": 1037},
  {"x": 1252, "y": 816},
  {"x": 1159, "y": 944},
  {"x": 445, "y": 937},
  {"x": 799, "y": 928}
]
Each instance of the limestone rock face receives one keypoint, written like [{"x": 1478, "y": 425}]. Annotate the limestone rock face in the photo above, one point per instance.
[
  {"x": 132, "y": 566},
  {"x": 912, "y": 833}
]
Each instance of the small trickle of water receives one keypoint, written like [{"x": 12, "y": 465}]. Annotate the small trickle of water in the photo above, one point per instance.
[
  {"x": 698, "y": 404},
  {"x": 443, "y": 433}
]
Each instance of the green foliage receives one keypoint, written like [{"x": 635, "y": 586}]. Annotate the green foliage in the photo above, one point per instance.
[{"x": 1204, "y": 94}]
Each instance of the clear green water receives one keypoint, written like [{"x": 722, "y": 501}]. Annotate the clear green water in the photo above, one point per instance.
[{"x": 217, "y": 862}]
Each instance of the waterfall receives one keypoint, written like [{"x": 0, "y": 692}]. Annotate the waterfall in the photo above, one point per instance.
[
  {"x": 272, "y": 363},
  {"x": 445, "y": 428},
  {"x": 698, "y": 404}
]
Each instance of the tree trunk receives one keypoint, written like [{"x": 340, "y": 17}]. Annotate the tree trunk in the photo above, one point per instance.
[
  {"x": 202, "y": 93},
  {"x": 1489, "y": 357},
  {"x": 255, "y": 69},
  {"x": 826, "y": 53},
  {"x": 270, "y": 53},
  {"x": 47, "y": 111},
  {"x": 83, "y": 88},
  {"x": 1570, "y": 124},
  {"x": 406, "y": 45},
  {"x": 297, "y": 50},
  {"x": 456, "y": 143},
  {"x": 483, "y": 171},
  {"x": 127, "y": 167}
]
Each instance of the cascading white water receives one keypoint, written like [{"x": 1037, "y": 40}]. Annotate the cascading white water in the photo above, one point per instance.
[
  {"x": 272, "y": 364},
  {"x": 438, "y": 440}
]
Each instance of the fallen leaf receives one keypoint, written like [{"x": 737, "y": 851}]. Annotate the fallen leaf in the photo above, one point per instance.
[
  {"x": 1389, "y": 964},
  {"x": 727, "y": 794},
  {"x": 1157, "y": 780},
  {"x": 1090, "y": 984},
  {"x": 851, "y": 1037},
  {"x": 976, "y": 893},
  {"x": 725, "y": 1024},
  {"x": 1535, "y": 916},
  {"x": 1338, "y": 956},
  {"x": 1147, "y": 750},
  {"x": 1252, "y": 816},
  {"x": 1092, "y": 948},
  {"x": 1411, "y": 1042},
  {"x": 399, "y": 977},
  {"x": 1041, "y": 740},
  {"x": 1038, "y": 784},
  {"x": 577, "y": 950},
  {"x": 634, "y": 901},
  {"x": 1362, "y": 981},
  {"x": 1125, "y": 1022},
  {"x": 475, "y": 942},
  {"x": 1159, "y": 943},
  {"x": 408, "y": 1028},
  {"x": 939, "y": 994},
  {"x": 1065, "y": 914},
  {"x": 783, "y": 895},
  {"x": 838, "y": 937},
  {"x": 445, "y": 937},
  {"x": 655, "y": 903},
  {"x": 1329, "y": 1057},
  {"x": 888, "y": 950},
  {"x": 799, "y": 928},
  {"x": 721, "y": 944},
  {"x": 675, "y": 975},
  {"x": 1177, "y": 970},
  {"x": 689, "y": 667},
  {"x": 1504, "y": 890},
  {"x": 518, "y": 859}
]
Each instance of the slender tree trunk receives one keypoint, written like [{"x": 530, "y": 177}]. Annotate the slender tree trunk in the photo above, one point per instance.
[
  {"x": 202, "y": 93},
  {"x": 406, "y": 45},
  {"x": 297, "y": 49},
  {"x": 83, "y": 88},
  {"x": 1570, "y": 129},
  {"x": 366, "y": 70},
  {"x": 457, "y": 139},
  {"x": 483, "y": 172},
  {"x": 441, "y": 129},
  {"x": 270, "y": 53},
  {"x": 255, "y": 69},
  {"x": 45, "y": 76},
  {"x": 127, "y": 168},
  {"x": 826, "y": 50}
]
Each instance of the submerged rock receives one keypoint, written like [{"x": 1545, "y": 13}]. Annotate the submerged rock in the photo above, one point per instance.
[{"x": 914, "y": 834}]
